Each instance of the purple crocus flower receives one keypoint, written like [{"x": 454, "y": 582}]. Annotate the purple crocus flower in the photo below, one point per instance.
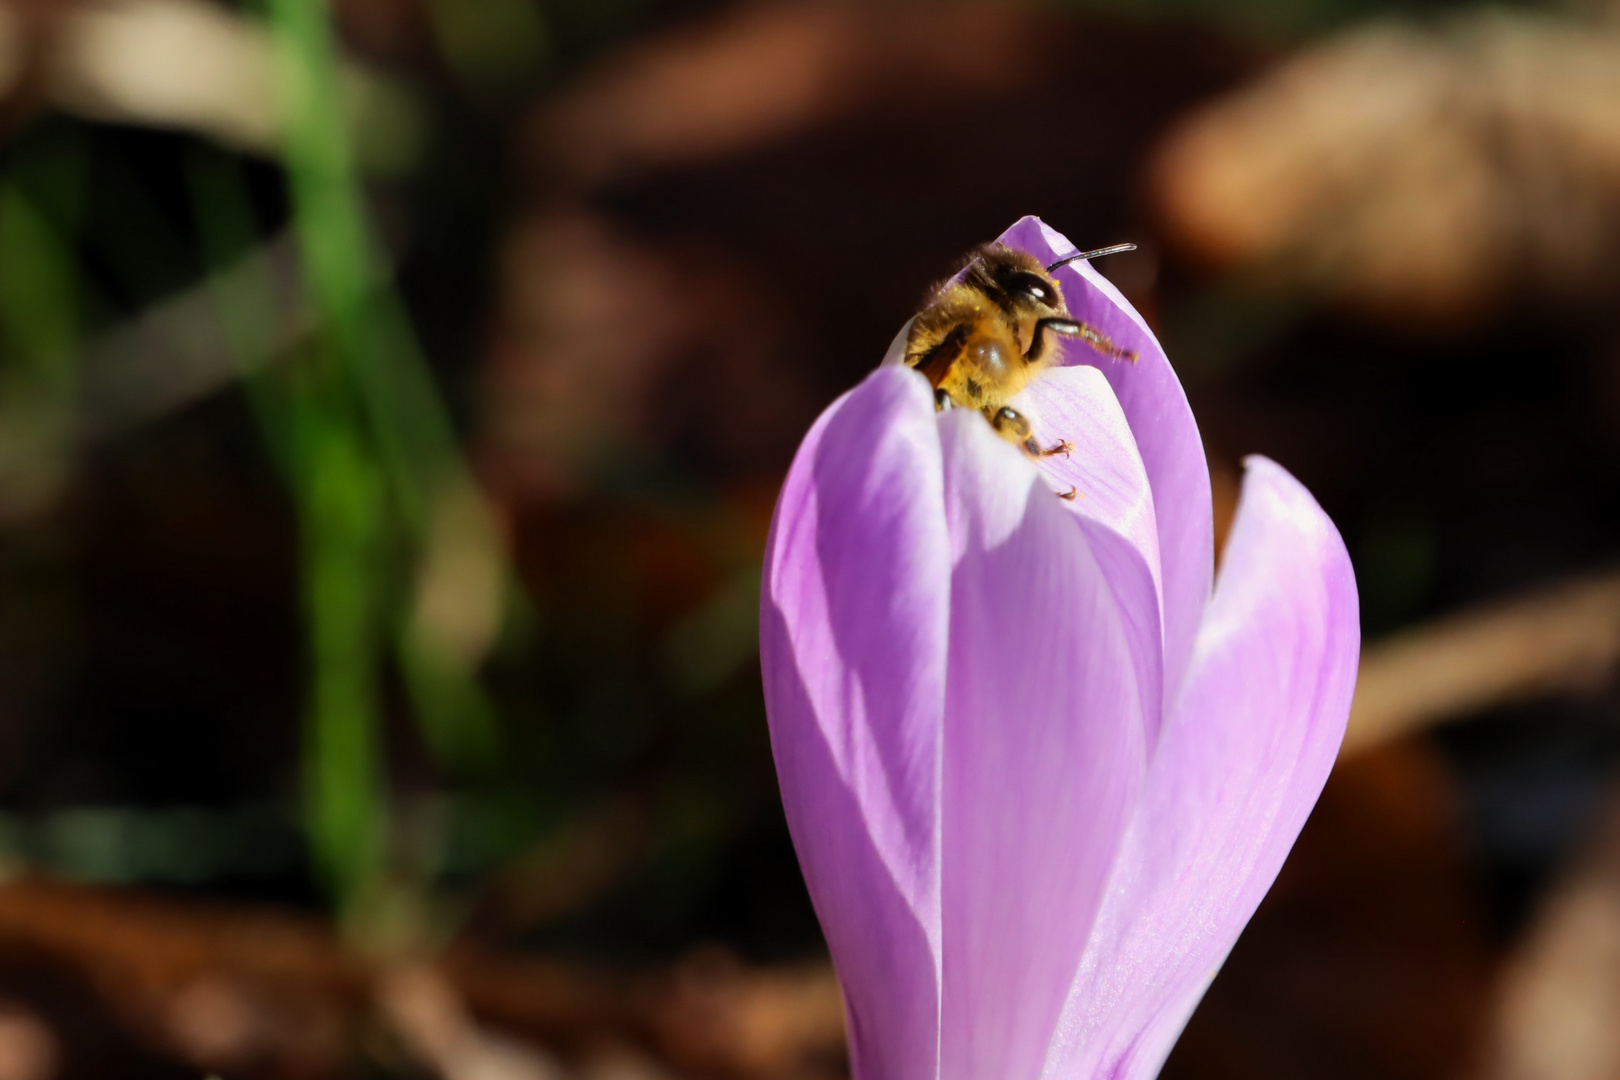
[{"x": 1037, "y": 774}]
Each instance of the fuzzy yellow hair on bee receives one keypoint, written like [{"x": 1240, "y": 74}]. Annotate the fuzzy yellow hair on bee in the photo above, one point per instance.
[{"x": 992, "y": 328}]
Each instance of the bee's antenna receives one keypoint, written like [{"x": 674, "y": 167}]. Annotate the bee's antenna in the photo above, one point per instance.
[{"x": 1096, "y": 254}]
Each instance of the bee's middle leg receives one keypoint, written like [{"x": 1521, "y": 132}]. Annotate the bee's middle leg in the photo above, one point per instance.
[{"x": 1013, "y": 426}]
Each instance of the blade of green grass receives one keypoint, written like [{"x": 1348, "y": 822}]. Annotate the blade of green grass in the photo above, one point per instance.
[
  {"x": 39, "y": 331},
  {"x": 376, "y": 458},
  {"x": 344, "y": 562}
]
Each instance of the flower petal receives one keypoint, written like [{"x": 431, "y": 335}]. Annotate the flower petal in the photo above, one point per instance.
[
  {"x": 1165, "y": 431},
  {"x": 1240, "y": 763},
  {"x": 853, "y": 624},
  {"x": 1044, "y": 753},
  {"x": 1076, "y": 405}
]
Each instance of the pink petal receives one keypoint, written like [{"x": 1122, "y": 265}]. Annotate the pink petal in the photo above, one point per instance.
[
  {"x": 1076, "y": 404},
  {"x": 1044, "y": 752},
  {"x": 853, "y": 629},
  {"x": 1240, "y": 763},
  {"x": 1165, "y": 431}
]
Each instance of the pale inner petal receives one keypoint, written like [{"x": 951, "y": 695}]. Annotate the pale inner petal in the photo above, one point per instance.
[
  {"x": 1043, "y": 752},
  {"x": 1105, "y": 471},
  {"x": 1113, "y": 500}
]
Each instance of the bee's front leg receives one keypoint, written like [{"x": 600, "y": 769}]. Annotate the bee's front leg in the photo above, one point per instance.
[{"x": 1089, "y": 334}]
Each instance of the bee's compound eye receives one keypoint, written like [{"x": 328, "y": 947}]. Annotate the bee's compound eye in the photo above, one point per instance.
[{"x": 1031, "y": 287}]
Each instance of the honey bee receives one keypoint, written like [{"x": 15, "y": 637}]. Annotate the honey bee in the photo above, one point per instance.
[{"x": 993, "y": 328}]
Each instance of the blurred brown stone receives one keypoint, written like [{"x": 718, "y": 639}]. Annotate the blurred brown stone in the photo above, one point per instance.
[
  {"x": 764, "y": 73},
  {"x": 714, "y": 1015},
  {"x": 1415, "y": 174},
  {"x": 264, "y": 995},
  {"x": 1557, "y": 998},
  {"x": 29, "y": 1048},
  {"x": 218, "y": 987}
]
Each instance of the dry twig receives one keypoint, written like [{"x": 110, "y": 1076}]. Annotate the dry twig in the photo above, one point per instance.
[
  {"x": 1559, "y": 993},
  {"x": 1566, "y": 637}
]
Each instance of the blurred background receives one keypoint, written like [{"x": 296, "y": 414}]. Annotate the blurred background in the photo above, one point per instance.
[{"x": 393, "y": 396}]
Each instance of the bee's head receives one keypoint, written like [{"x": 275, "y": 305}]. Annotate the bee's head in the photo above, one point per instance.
[
  {"x": 1021, "y": 279},
  {"x": 1028, "y": 282}
]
